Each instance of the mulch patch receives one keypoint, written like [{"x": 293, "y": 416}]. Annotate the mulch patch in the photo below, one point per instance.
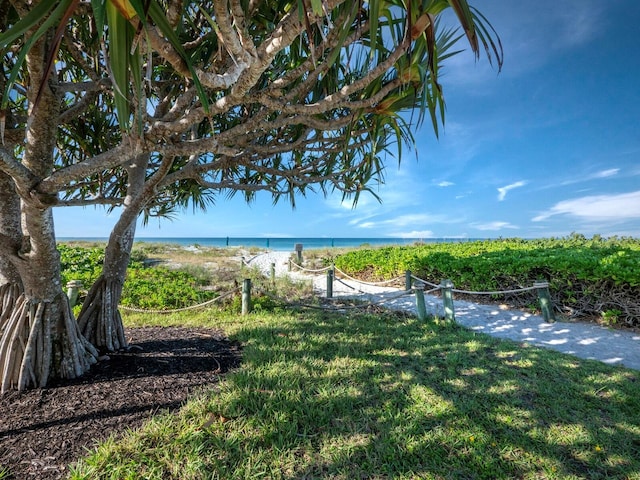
[{"x": 42, "y": 431}]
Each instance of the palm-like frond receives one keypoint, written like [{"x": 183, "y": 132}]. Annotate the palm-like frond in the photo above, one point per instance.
[
  {"x": 330, "y": 123},
  {"x": 120, "y": 16}
]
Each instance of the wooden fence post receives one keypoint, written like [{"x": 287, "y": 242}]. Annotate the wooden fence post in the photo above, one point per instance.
[
  {"x": 273, "y": 274},
  {"x": 407, "y": 280},
  {"x": 447, "y": 299},
  {"x": 420, "y": 306},
  {"x": 545, "y": 301},
  {"x": 246, "y": 296},
  {"x": 330, "y": 283},
  {"x": 73, "y": 286}
]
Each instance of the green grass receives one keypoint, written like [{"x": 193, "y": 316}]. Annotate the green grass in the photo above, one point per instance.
[{"x": 385, "y": 396}]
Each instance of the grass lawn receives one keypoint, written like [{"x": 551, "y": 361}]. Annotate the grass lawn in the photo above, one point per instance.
[{"x": 359, "y": 395}]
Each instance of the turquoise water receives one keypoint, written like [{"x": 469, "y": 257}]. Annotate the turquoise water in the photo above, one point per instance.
[{"x": 282, "y": 244}]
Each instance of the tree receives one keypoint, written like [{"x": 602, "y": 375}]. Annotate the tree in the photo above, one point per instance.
[{"x": 147, "y": 104}]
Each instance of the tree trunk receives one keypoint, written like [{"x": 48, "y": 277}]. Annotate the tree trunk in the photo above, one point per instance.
[
  {"x": 41, "y": 339},
  {"x": 11, "y": 234},
  {"x": 9, "y": 293},
  {"x": 99, "y": 319}
]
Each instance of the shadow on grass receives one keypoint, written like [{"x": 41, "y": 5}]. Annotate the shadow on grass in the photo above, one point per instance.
[
  {"x": 388, "y": 396},
  {"x": 352, "y": 395}
]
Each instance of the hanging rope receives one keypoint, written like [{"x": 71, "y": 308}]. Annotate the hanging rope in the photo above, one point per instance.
[
  {"x": 373, "y": 284},
  {"x": 183, "y": 309},
  {"x": 499, "y": 292},
  {"x": 320, "y": 270}
]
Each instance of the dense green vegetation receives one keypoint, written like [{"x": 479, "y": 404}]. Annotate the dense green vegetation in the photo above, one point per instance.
[
  {"x": 383, "y": 395},
  {"x": 82, "y": 263},
  {"x": 597, "y": 277},
  {"x": 359, "y": 395},
  {"x": 593, "y": 278},
  {"x": 146, "y": 286},
  {"x": 154, "y": 282}
]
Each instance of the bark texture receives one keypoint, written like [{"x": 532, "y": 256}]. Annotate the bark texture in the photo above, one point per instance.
[
  {"x": 100, "y": 320},
  {"x": 10, "y": 241},
  {"x": 42, "y": 340}
]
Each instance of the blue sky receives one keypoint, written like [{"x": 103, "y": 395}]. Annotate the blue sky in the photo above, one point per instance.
[{"x": 548, "y": 147}]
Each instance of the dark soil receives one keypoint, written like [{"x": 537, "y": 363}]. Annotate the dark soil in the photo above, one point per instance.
[{"x": 43, "y": 431}]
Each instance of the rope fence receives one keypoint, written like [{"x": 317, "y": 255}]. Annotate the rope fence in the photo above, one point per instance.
[
  {"x": 413, "y": 286},
  {"x": 183, "y": 309},
  {"x": 446, "y": 287},
  {"x": 373, "y": 284}
]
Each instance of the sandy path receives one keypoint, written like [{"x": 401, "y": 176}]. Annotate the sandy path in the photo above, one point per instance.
[{"x": 584, "y": 340}]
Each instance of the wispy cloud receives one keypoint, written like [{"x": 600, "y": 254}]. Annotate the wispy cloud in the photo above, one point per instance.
[
  {"x": 578, "y": 25},
  {"x": 606, "y": 173},
  {"x": 367, "y": 225},
  {"x": 446, "y": 184},
  {"x": 502, "y": 191},
  {"x": 619, "y": 207},
  {"x": 493, "y": 226},
  {"x": 413, "y": 234},
  {"x": 411, "y": 219},
  {"x": 414, "y": 221}
]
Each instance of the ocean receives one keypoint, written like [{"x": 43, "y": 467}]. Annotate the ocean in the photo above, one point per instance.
[{"x": 279, "y": 244}]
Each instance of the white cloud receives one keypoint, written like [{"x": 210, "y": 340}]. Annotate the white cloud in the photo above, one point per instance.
[
  {"x": 446, "y": 184},
  {"x": 493, "y": 226},
  {"x": 619, "y": 207},
  {"x": 407, "y": 220},
  {"x": 606, "y": 173},
  {"x": 502, "y": 191},
  {"x": 413, "y": 234},
  {"x": 413, "y": 221},
  {"x": 276, "y": 235},
  {"x": 410, "y": 219}
]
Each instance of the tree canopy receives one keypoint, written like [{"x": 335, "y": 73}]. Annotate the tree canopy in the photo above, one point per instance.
[
  {"x": 156, "y": 104},
  {"x": 229, "y": 96}
]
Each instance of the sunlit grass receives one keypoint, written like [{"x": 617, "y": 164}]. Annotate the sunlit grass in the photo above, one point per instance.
[{"x": 351, "y": 395}]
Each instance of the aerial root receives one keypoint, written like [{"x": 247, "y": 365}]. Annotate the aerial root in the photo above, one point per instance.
[
  {"x": 42, "y": 339},
  {"x": 99, "y": 320}
]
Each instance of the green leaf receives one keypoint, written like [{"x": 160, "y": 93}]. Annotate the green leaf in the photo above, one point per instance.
[
  {"x": 158, "y": 16},
  {"x": 48, "y": 23},
  {"x": 99, "y": 14},
  {"x": 316, "y": 6},
  {"x": 120, "y": 41},
  {"x": 29, "y": 21}
]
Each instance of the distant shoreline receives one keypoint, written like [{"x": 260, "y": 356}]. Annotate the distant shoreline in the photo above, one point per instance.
[{"x": 280, "y": 243}]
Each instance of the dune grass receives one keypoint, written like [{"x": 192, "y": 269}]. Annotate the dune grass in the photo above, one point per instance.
[{"x": 359, "y": 395}]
